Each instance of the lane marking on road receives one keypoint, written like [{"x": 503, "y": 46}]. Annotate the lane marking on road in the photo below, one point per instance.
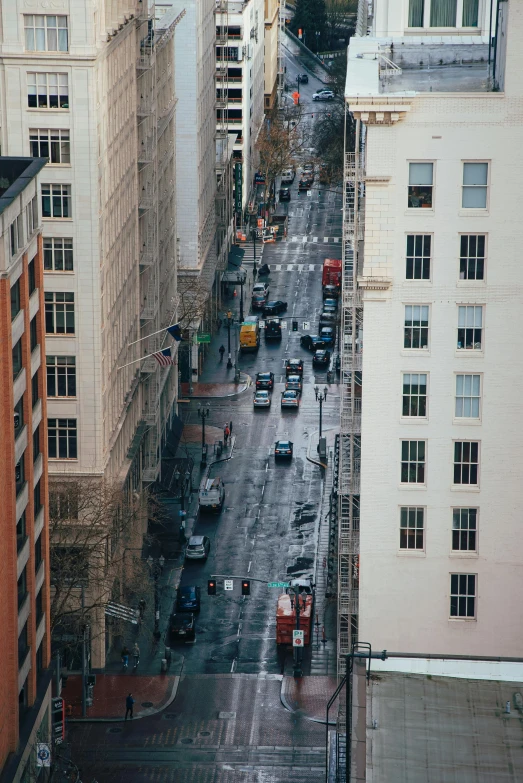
[
  {"x": 249, "y": 567},
  {"x": 233, "y": 667}
]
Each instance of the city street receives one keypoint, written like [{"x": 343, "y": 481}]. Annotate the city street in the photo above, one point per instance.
[{"x": 227, "y": 722}]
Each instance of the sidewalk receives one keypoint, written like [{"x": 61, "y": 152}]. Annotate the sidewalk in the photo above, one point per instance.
[
  {"x": 309, "y": 696},
  {"x": 216, "y": 390},
  {"x": 151, "y": 694}
]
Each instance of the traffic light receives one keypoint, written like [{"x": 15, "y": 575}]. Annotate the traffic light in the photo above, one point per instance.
[
  {"x": 295, "y": 326},
  {"x": 211, "y": 587},
  {"x": 246, "y": 587}
]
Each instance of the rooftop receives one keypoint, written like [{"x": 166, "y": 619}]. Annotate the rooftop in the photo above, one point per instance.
[
  {"x": 443, "y": 729},
  {"x": 15, "y": 175}
]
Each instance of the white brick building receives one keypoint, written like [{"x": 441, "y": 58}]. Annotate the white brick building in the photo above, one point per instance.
[{"x": 430, "y": 561}]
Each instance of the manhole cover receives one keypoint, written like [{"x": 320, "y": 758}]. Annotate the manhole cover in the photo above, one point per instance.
[
  {"x": 186, "y": 740},
  {"x": 205, "y": 733},
  {"x": 226, "y": 715},
  {"x": 147, "y": 704},
  {"x": 114, "y": 730}
]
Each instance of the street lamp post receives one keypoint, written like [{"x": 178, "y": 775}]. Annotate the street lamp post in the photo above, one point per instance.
[
  {"x": 156, "y": 566},
  {"x": 317, "y": 41},
  {"x": 254, "y": 270},
  {"x": 241, "y": 281},
  {"x": 203, "y": 413},
  {"x": 229, "y": 360},
  {"x": 320, "y": 397}
]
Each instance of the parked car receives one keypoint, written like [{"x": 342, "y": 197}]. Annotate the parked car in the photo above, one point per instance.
[
  {"x": 323, "y": 95},
  {"x": 273, "y": 329},
  {"x": 290, "y": 399},
  {"x": 287, "y": 176},
  {"x": 302, "y": 78},
  {"x": 294, "y": 367},
  {"x": 274, "y": 307},
  {"x": 197, "y": 548},
  {"x": 293, "y": 383},
  {"x": 330, "y": 305},
  {"x": 328, "y": 335},
  {"x": 181, "y": 626},
  {"x": 285, "y": 194},
  {"x": 331, "y": 292},
  {"x": 188, "y": 599},
  {"x": 308, "y": 168},
  {"x": 328, "y": 319},
  {"x": 321, "y": 358},
  {"x": 262, "y": 399},
  {"x": 283, "y": 449},
  {"x": 265, "y": 380},
  {"x": 260, "y": 292},
  {"x": 261, "y": 289},
  {"x": 211, "y": 495},
  {"x": 311, "y": 342}
]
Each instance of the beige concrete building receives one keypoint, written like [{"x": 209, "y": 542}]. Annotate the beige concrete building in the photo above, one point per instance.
[
  {"x": 271, "y": 53},
  {"x": 430, "y": 536},
  {"x": 91, "y": 87}
]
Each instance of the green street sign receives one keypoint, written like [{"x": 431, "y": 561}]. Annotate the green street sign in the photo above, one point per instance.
[
  {"x": 204, "y": 337},
  {"x": 278, "y": 584}
]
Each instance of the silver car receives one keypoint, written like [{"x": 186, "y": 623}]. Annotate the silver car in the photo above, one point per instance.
[
  {"x": 262, "y": 399},
  {"x": 198, "y": 548}
]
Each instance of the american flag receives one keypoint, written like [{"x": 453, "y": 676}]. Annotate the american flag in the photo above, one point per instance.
[{"x": 164, "y": 357}]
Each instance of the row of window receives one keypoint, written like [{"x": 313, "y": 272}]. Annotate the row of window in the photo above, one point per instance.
[
  {"x": 464, "y": 529},
  {"x": 418, "y": 257},
  {"x": 465, "y": 467},
  {"x": 469, "y": 331},
  {"x": 467, "y": 400},
  {"x": 474, "y": 190},
  {"x": 16, "y": 229},
  {"x": 435, "y": 13}
]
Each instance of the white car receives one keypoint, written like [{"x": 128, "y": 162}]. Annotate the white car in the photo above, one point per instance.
[
  {"x": 323, "y": 95},
  {"x": 262, "y": 399},
  {"x": 290, "y": 399}
]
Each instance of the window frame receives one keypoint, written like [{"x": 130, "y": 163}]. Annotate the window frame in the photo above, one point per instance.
[
  {"x": 486, "y": 187},
  {"x": 467, "y": 531},
  {"x": 463, "y": 349},
  {"x": 407, "y": 527},
  {"x": 409, "y": 462},
  {"x": 410, "y": 416},
  {"x": 419, "y": 328},
  {"x": 464, "y": 596},
  {"x": 50, "y": 312},
  {"x": 56, "y": 139},
  {"x": 416, "y": 258},
  {"x": 51, "y": 249},
  {"x": 41, "y": 77},
  {"x": 475, "y": 258},
  {"x": 48, "y": 30},
  {"x": 68, "y": 377},
  {"x": 462, "y": 419},
  {"x": 53, "y": 434},
  {"x": 58, "y": 193},
  {"x": 461, "y": 485},
  {"x": 420, "y": 206}
]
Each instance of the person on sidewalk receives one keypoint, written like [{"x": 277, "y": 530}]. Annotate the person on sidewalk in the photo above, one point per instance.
[
  {"x": 136, "y": 655},
  {"x": 129, "y": 702},
  {"x": 226, "y": 433},
  {"x": 222, "y": 351},
  {"x": 141, "y": 607}
]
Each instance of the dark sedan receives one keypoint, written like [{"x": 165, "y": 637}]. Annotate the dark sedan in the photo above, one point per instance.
[
  {"x": 285, "y": 194},
  {"x": 275, "y": 307},
  {"x": 265, "y": 380},
  {"x": 181, "y": 626},
  {"x": 331, "y": 292},
  {"x": 188, "y": 599},
  {"x": 311, "y": 342},
  {"x": 306, "y": 182},
  {"x": 303, "y": 78},
  {"x": 294, "y": 367},
  {"x": 283, "y": 449},
  {"x": 321, "y": 358}
]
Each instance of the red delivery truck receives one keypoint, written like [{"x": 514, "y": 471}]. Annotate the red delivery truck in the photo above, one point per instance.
[
  {"x": 286, "y": 618},
  {"x": 331, "y": 272}
]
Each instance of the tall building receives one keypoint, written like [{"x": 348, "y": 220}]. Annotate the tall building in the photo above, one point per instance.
[
  {"x": 430, "y": 560},
  {"x": 25, "y": 685},
  {"x": 240, "y": 37},
  {"x": 90, "y": 87},
  {"x": 271, "y": 53}
]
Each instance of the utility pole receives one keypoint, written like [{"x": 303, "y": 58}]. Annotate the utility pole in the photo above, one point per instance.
[
  {"x": 297, "y": 670},
  {"x": 229, "y": 360},
  {"x": 320, "y": 397},
  {"x": 241, "y": 281},
  {"x": 254, "y": 270},
  {"x": 203, "y": 413}
]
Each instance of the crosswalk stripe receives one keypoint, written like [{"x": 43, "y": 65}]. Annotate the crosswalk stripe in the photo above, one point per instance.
[
  {"x": 314, "y": 239},
  {"x": 292, "y": 267},
  {"x": 336, "y": 239},
  {"x": 325, "y": 239},
  {"x": 312, "y": 267},
  {"x": 304, "y": 239},
  {"x": 277, "y": 267},
  {"x": 294, "y": 239}
]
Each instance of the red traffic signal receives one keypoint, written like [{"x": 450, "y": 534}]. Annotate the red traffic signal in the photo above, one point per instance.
[
  {"x": 211, "y": 587},
  {"x": 246, "y": 587}
]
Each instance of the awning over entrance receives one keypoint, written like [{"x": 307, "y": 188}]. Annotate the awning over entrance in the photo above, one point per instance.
[{"x": 235, "y": 273}]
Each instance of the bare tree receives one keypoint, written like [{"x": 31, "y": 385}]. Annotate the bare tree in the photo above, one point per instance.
[
  {"x": 341, "y": 18},
  {"x": 193, "y": 296}
]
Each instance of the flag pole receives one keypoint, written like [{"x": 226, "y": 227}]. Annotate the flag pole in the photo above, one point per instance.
[
  {"x": 137, "y": 360},
  {"x": 149, "y": 335}
]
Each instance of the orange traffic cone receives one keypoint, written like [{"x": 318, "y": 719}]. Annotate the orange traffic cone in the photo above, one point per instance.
[{"x": 235, "y": 294}]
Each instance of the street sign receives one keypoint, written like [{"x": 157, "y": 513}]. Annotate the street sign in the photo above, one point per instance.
[
  {"x": 43, "y": 755},
  {"x": 298, "y": 638},
  {"x": 306, "y": 326},
  {"x": 309, "y": 193},
  {"x": 204, "y": 337},
  {"x": 228, "y": 584},
  {"x": 278, "y": 584},
  {"x": 284, "y": 324}
]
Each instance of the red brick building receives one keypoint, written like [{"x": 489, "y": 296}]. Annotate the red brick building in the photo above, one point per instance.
[{"x": 25, "y": 684}]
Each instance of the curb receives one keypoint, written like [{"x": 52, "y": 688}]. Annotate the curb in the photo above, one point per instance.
[
  {"x": 145, "y": 714},
  {"x": 247, "y": 381},
  {"x": 285, "y": 703}
]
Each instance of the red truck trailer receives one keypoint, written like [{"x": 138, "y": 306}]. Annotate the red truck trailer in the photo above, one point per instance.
[
  {"x": 286, "y": 618},
  {"x": 331, "y": 272}
]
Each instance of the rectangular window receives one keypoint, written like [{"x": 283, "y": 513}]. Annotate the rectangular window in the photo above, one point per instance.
[
  {"x": 420, "y": 185},
  {"x": 32, "y": 216},
  {"x": 464, "y": 529},
  {"x": 470, "y": 13},
  {"x": 38, "y": 553},
  {"x": 411, "y": 527},
  {"x": 475, "y": 181},
  {"x": 413, "y": 461},
  {"x": 17, "y": 358},
  {"x": 416, "y": 326},
  {"x": 19, "y": 416},
  {"x": 443, "y": 13},
  {"x": 17, "y": 234},
  {"x": 416, "y": 13},
  {"x": 47, "y": 90},
  {"x": 62, "y": 435},
  {"x": 15, "y": 299},
  {"x": 36, "y": 443},
  {"x": 470, "y": 327},
  {"x": 58, "y": 254},
  {"x": 45, "y": 33},
  {"x": 472, "y": 257},
  {"x": 31, "y": 276},
  {"x": 39, "y": 605},
  {"x": 37, "y": 499},
  {"x": 468, "y": 395},
  {"x": 33, "y": 333},
  {"x": 21, "y": 534},
  {"x": 466, "y": 462},
  {"x": 22, "y": 587},
  {"x": 414, "y": 394},
  {"x": 19, "y": 475},
  {"x": 418, "y": 257},
  {"x": 23, "y": 649},
  {"x": 35, "y": 396},
  {"x": 52, "y": 144},
  {"x": 463, "y": 595},
  {"x": 61, "y": 376},
  {"x": 56, "y": 201},
  {"x": 59, "y": 312}
]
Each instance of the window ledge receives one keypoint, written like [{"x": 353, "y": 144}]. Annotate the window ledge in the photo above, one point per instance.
[
  {"x": 467, "y": 422},
  {"x": 470, "y": 352},
  {"x": 59, "y": 271},
  {"x": 63, "y": 459},
  {"x": 54, "y": 219},
  {"x": 410, "y": 487},
  {"x": 43, "y": 108},
  {"x": 464, "y": 488},
  {"x": 466, "y": 555},
  {"x": 463, "y": 620},
  {"x": 473, "y": 213},
  {"x": 411, "y": 553},
  {"x": 414, "y": 420}
]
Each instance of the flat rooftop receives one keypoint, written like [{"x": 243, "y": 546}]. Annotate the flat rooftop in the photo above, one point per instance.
[
  {"x": 443, "y": 78},
  {"x": 434, "y": 729},
  {"x": 15, "y": 174}
]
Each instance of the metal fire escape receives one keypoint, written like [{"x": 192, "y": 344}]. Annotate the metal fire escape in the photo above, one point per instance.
[{"x": 351, "y": 393}]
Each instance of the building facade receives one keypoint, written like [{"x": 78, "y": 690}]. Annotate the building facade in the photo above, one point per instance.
[
  {"x": 432, "y": 236},
  {"x": 92, "y": 89},
  {"x": 25, "y": 687},
  {"x": 271, "y": 53}
]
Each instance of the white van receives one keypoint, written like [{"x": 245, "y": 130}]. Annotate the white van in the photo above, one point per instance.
[{"x": 211, "y": 494}]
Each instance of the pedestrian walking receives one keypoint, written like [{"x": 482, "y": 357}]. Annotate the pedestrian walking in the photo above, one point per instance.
[
  {"x": 136, "y": 655},
  {"x": 226, "y": 433},
  {"x": 222, "y": 351},
  {"x": 141, "y": 607},
  {"x": 125, "y": 658},
  {"x": 129, "y": 702}
]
